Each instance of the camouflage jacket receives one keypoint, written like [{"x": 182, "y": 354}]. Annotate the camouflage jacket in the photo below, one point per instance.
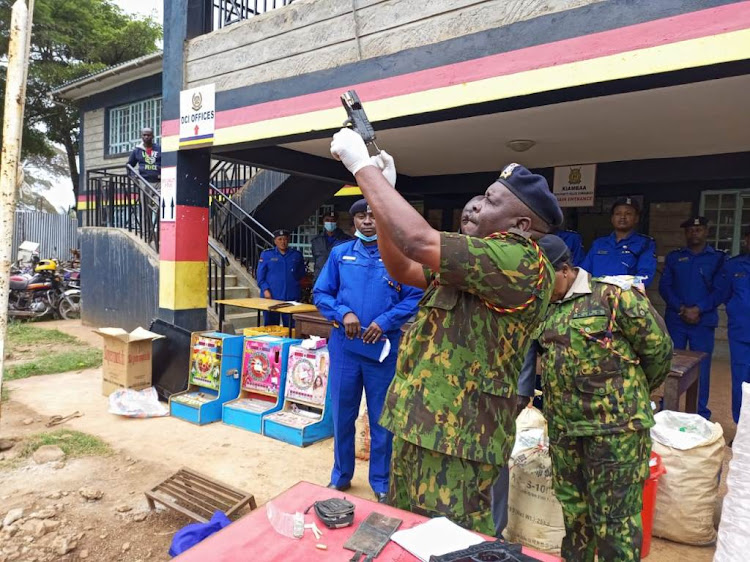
[
  {"x": 455, "y": 386},
  {"x": 592, "y": 390}
]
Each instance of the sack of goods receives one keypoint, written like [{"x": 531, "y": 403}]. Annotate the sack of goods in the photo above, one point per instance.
[
  {"x": 734, "y": 539},
  {"x": 691, "y": 450},
  {"x": 362, "y": 433},
  {"x": 535, "y": 516}
]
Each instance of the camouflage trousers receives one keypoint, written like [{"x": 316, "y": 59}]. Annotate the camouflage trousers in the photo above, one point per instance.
[
  {"x": 599, "y": 482},
  {"x": 437, "y": 485}
]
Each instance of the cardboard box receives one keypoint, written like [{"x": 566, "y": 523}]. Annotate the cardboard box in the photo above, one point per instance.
[{"x": 127, "y": 358}]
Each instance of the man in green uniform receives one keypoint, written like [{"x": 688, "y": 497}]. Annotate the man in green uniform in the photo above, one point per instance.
[
  {"x": 605, "y": 349},
  {"x": 452, "y": 403}
]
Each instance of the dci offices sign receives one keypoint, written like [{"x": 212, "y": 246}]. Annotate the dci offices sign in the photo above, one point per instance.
[
  {"x": 197, "y": 116},
  {"x": 574, "y": 186}
]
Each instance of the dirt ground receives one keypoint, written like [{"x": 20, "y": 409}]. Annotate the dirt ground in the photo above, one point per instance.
[{"x": 149, "y": 450}]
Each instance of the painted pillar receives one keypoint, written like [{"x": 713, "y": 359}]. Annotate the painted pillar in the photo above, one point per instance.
[{"x": 183, "y": 249}]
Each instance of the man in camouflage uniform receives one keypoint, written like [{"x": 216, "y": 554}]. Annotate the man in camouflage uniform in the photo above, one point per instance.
[
  {"x": 605, "y": 349},
  {"x": 452, "y": 403}
]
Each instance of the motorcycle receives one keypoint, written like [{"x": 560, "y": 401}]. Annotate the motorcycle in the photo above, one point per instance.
[{"x": 43, "y": 293}]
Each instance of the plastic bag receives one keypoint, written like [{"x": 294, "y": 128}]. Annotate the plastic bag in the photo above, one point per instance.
[
  {"x": 734, "y": 540},
  {"x": 287, "y": 524},
  {"x": 137, "y": 403},
  {"x": 691, "y": 450},
  {"x": 192, "y": 534}
]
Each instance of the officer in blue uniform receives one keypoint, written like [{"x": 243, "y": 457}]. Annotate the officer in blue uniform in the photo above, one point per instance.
[
  {"x": 355, "y": 291},
  {"x": 574, "y": 243},
  {"x": 688, "y": 286},
  {"x": 733, "y": 286},
  {"x": 280, "y": 271},
  {"x": 625, "y": 251}
]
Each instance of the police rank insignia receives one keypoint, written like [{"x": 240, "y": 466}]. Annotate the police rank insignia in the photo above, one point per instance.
[{"x": 508, "y": 170}]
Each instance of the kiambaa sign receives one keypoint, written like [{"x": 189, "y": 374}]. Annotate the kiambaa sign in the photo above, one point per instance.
[
  {"x": 574, "y": 186},
  {"x": 197, "y": 116}
]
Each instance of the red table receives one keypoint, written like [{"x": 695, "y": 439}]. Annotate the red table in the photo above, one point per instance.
[{"x": 253, "y": 538}]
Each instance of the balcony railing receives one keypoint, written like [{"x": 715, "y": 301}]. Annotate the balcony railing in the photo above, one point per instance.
[{"x": 227, "y": 12}]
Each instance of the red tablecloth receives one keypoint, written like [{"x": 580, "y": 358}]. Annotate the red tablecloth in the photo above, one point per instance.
[{"x": 253, "y": 538}]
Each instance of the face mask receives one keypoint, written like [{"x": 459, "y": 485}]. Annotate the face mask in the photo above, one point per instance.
[
  {"x": 364, "y": 238},
  {"x": 329, "y": 226}
]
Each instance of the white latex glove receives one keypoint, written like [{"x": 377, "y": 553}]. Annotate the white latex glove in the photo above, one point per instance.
[
  {"x": 348, "y": 147},
  {"x": 384, "y": 162}
]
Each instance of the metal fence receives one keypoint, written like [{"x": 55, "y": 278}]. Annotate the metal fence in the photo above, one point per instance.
[
  {"x": 226, "y": 12},
  {"x": 55, "y": 234}
]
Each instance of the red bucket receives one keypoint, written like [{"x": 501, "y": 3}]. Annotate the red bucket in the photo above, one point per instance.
[{"x": 649, "y": 501}]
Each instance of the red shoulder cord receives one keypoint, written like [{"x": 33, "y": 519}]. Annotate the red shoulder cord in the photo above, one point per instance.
[
  {"x": 537, "y": 288},
  {"x": 608, "y": 341}
]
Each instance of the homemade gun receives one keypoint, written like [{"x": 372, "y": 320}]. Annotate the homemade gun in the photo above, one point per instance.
[{"x": 357, "y": 118}]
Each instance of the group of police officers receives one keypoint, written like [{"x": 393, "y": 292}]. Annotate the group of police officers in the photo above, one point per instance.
[{"x": 442, "y": 427}]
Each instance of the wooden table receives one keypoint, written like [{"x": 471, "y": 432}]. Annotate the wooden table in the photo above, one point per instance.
[
  {"x": 309, "y": 324},
  {"x": 253, "y": 538},
  {"x": 259, "y": 304},
  {"x": 683, "y": 378}
]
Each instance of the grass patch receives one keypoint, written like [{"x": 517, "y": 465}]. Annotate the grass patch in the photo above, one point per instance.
[
  {"x": 84, "y": 357},
  {"x": 73, "y": 443},
  {"x": 5, "y": 394},
  {"x": 21, "y": 334}
]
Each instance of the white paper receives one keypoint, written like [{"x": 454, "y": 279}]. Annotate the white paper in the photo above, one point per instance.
[
  {"x": 435, "y": 537},
  {"x": 385, "y": 351}
]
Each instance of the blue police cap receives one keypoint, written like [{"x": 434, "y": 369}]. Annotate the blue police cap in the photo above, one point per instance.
[
  {"x": 555, "y": 249},
  {"x": 695, "y": 221},
  {"x": 533, "y": 191},
  {"x": 630, "y": 201},
  {"x": 281, "y": 232},
  {"x": 360, "y": 206}
]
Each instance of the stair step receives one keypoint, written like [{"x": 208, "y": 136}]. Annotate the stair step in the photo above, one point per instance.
[
  {"x": 243, "y": 319},
  {"x": 237, "y": 292},
  {"x": 230, "y": 280}
]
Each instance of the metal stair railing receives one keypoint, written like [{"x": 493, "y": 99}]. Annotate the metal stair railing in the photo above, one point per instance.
[
  {"x": 236, "y": 230},
  {"x": 123, "y": 200},
  {"x": 230, "y": 177},
  {"x": 217, "y": 273}
]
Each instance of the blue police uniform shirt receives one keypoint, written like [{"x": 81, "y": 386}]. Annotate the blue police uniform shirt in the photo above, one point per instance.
[
  {"x": 733, "y": 286},
  {"x": 281, "y": 273},
  {"x": 633, "y": 255},
  {"x": 690, "y": 280},
  {"x": 354, "y": 279},
  {"x": 574, "y": 243}
]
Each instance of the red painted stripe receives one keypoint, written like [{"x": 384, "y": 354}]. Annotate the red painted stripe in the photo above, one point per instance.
[
  {"x": 187, "y": 238},
  {"x": 664, "y": 31}
]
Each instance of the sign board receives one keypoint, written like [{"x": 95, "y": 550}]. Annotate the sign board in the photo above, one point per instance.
[
  {"x": 574, "y": 186},
  {"x": 168, "y": 203},
  {"x": 197, "y": 116}
]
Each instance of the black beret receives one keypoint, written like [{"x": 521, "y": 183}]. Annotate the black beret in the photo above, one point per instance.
[
  {"x": 533, "y": 191},
  {"x": 360, "y": 206},
  {"x": 281, "y": 232},
  {"x": 630, "y": 201},
  {"x": 695, "y": 221},
  {"x": 555, "y": 249}
]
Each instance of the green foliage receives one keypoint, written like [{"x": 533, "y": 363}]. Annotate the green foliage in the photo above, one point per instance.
[
  {"x": 70, "y": 39},
  {"x": 73, "y": 443},
  {"x": 4, "y": 394},
  {"x": 28, "y": 334},
  {"x": 83, "y": 357}
]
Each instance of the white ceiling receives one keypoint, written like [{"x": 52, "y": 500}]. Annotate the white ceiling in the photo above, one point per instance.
[{"x": 703, "y": 118}]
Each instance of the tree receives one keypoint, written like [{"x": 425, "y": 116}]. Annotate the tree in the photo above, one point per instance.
[{"x": 70, "y": 39}]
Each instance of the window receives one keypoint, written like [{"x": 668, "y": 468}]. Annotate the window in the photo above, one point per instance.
[
  {"x": 302, "y": 237},
  {"x": 126, "y": 122},
  {"x": 728, "y": 213}
]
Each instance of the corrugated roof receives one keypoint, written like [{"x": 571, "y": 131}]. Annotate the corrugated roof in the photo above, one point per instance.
[{"x": 113, "y": 70}]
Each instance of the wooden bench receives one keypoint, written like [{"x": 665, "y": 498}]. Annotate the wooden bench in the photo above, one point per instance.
[{"x": 198, "y": 496}]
